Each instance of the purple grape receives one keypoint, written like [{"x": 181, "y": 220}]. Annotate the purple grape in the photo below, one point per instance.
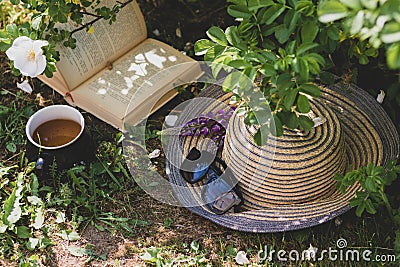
[
  {"x": 197, "y": 133},
  {"x": 210, "y": 115}
]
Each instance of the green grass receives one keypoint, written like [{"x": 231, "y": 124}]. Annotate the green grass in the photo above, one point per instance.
[{"x": 101, "y": 195}]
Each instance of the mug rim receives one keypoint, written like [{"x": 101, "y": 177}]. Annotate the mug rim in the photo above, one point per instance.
[{"x": 31, "y": 118}]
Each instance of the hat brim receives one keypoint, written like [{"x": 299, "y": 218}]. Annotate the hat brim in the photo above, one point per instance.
[{"x": 370, "y": 136}]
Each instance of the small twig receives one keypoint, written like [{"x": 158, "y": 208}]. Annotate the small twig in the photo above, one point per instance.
[
  {"x": 90, "y": 14},
  {"x": 90, "y": 23}
]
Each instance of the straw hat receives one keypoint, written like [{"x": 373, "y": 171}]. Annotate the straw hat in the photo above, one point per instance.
[{"x": 288, "y": 183}]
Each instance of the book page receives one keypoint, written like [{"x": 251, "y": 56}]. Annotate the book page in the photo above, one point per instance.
[
  {"x": 107, "y": 43},
  {"x": 112, "y": 90},
  {"x": 57, "y": 82}
]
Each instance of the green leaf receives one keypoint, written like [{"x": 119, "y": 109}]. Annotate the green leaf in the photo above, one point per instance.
[
  {"x": 277, "y": 129},
  {"x": 327, "y": 78},
  {"x": 357, "y": 23},
  {"x": 77, "y": 251},
  {"x": 60, "y": 217},
  {"x": 268, "y": 70},
  {"x": 370, "y": 185},
  {"x": 12, "y": 209},
  {"x": 256, "y": 4},
  {"x": 23, "y": 232},
  {"x": 303, "y": 104},
  {"x": 284, "y": 82},
  {"x": 305, "y": 7},
  {"x": 333, "y": 32},
  {"x": 353, "y": 4},
  {"x": 289, "y": 99},
  {"x": 282, "y": 34},
  {"x": 292, "y": 121},
  {"x": 272, "y": 14},
  {"x": 356, "y": 201},
  {"x": 372, "y": 4},
  {"x": 310, "y": 89},
  {"x": 261, "y": 136},
  {"x": 39, "y": 218},
  {"x": 237, "y": 11},
  {"x": 32, "y": 243},
  {"x": 239, "y": 64},
  {"x": 369, "y": 206},
  {"x": 36, "y": 23},
  {"x": 195, "y": 246},
  {"x": 12, "y": 29},
  {"x": 58, "y": 11},
  {"x": 10, "y": 146},
  {"x": 306, "y": 123},
  {"x": 232, "y": 35},
  {"x": 213, "y": 52},
  {"x": 69, "y": 235},
  {"x": 217, "y": 35},
  {"x": 360, "y": 209},
  {"x": 237, "y": 82},
  {"x": 303, "y": 69},
  {"x": 202, "y": 46},
  {"x": 305, "y": 47},
  {"x": 309, "y": 31},
  {"x": 329, "y": 11},
  {"x": 391, "y": 33}
]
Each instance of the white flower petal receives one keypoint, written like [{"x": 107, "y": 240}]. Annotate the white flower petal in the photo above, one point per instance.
[
  {"x": 155, "y": 154},
  {"x": 38, "y": 44},
  {"x": 170, "y": 120},
  {"x": 241, "y": 258},
  {"x": 381, "y": 97},
  {"x": 30, "y": 68},
  {"x": 15, "y": 53},
  {"x": 22, "y": 41},
  {"x": 25, "y": 86},
  {"x": 41, "y": 65},
  {"x": 28, "y": 56}
]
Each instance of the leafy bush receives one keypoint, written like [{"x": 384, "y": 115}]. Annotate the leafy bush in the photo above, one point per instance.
[{"x": 283, "y": 46}]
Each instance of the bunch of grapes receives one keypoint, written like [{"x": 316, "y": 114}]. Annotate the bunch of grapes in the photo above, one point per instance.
[{"x": 212, "y": 125}]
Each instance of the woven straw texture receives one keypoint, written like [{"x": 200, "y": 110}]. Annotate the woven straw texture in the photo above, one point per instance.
[{"x": 288, "y": 184}]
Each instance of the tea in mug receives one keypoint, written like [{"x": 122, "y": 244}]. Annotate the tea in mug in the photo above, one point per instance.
[{"x": 56, "y": 132}]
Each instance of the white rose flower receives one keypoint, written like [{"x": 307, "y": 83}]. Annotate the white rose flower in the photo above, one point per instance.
[
  {"x": 25, "y": 86},
  {"x": 28, "y": 56}
]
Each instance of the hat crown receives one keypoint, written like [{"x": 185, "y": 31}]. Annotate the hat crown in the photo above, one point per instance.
[{"x": 297, "y": 167}]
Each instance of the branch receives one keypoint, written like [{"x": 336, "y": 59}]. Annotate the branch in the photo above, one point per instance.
[
  {"x": 90, "y": 23},
  {"x": 90, "y": 14}
]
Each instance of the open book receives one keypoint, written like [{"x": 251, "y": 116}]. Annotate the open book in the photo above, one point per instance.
[{"x": 104, "y": 72}]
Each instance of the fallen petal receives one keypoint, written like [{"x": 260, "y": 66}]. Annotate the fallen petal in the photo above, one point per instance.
[
  {"x": 241, "y": 258},
  {"x": 25, "y": 86},
  {"x": 155, "y": 154},
  {"x": 380, "y": 97}
]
